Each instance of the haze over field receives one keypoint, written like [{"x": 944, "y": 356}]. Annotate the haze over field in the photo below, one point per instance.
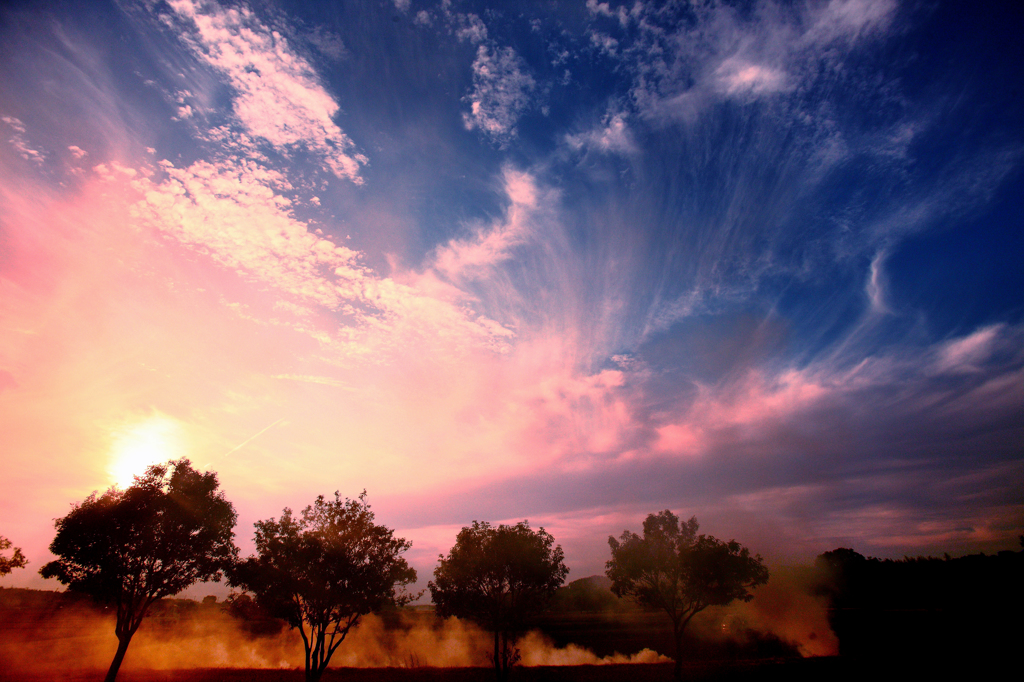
[{"x": 571, "y": 262}]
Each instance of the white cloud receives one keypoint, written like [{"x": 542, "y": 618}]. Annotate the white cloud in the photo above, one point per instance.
[
  {"x": 604, "y": 42},
  {"x": 501, "y": 93},
  {"x": 20, "y": 142},
  {"x": 471, "y": 29},
  {"x": 612, "y": 137},
  {"x": 621, "y": 13},
  {"x": 736, "y": 77},
  {"x": 230, "y": 211},
  {"x": 848, "y": 20},
  {"x": 233, "y": 212},
  {"x": 279, "y": 98},
  {"x": 724, "y": 54},
  {"x": 875, "y": 288}
]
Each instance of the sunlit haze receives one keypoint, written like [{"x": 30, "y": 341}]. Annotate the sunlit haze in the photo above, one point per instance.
[
  {"x": 567, "y": 262},
  {"x": 138, "y": 445}
]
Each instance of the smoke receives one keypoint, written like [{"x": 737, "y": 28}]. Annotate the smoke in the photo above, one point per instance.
[
  {"x": 49, "y": 634},
  {"x": 55, "y": 634},
  {"x": 420, "y": 639},
  {"x": 46, "y": 632},
  {"x": 414, "y": 640},
  {"x": 787, "y": 608},
  {"x": 536, "y": 649}
]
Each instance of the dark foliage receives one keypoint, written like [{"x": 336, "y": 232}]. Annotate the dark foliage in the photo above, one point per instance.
[
  {"x": 16, "y": 560},
  {"x": 170, "y": 529},
  {"x": 250, "y": 616},
  {"x": 673, "y": 569},
  {"x": 500, "y": 577},
  {"x": 949, "y": 607},
  {"x": 323, "y": 571}
]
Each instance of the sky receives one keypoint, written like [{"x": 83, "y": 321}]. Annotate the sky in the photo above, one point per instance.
[{"x": 569, "y": 262}]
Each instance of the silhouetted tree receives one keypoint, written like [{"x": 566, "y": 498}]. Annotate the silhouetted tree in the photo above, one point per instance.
[
  {"x": 841, "y": 571},
  {"x": 498, "y": 577},
  {"x": 170, "y": 529},
  {"x": 16, "y": 560},
  {"x": 325, "y": 570},
  {"x": 926, "y": 607},
  {"x": 673, "y": 569}
]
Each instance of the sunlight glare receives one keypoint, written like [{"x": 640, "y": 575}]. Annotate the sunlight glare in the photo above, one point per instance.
[{"x": 153, "y": 440}]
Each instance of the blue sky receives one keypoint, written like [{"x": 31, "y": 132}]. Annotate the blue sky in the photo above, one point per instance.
[{"x": 572, "y": 262}]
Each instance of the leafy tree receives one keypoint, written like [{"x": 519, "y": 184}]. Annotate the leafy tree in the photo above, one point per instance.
[
  {"x": 132, "y": 547},
  {"x": 673, "y": 569},
  {"x": 17, "y": 560},
  {"x": 324, "y": 570},
  {"x": 498, "y": 577}
]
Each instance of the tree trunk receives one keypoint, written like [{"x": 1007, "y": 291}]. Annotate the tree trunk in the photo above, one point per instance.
[
  {"x": 313, "y": 669},
  {"x": 497, "y": 656},
  {"x": 115, "y": 665},
  {"x": 677, "y": 672}
]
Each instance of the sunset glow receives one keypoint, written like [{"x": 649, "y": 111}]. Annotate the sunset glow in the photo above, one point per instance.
[
  {"x": 136, "y": 446},
  {"x": 573, "y": 263}
]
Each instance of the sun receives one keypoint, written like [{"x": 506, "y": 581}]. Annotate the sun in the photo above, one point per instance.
[{"x": 138, "y": 444}]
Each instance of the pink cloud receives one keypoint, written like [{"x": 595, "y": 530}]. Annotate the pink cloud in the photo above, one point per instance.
[
  {"x": 752, "y": 403},
  {"x": 736, "y": 77},
  {"x": 473, "y": 258},
  {"x": 292, "y": 370},
  {"x": 963, "y": 354}
]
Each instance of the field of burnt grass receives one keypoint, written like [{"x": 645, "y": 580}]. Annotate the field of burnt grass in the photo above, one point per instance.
[
  {"x": 788, "y": 669},
  {"x": 831, "y": 668}
]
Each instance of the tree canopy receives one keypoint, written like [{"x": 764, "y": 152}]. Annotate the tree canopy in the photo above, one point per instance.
[
  {"x": 16, "y": 560},
  {"x": 498, "y": 577},
  {"x": 673, "y": 569},
  {"x": 170, "y": 529},
  {"x": 324, "y": 570}
]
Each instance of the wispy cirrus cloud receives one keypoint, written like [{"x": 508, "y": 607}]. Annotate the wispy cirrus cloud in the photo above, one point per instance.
[
  {"x": 700, "y": 282},
  {"x": 800, "y": 442},
  {"x": 474, "y": 257},
  {"x": 728, "y": 54}
]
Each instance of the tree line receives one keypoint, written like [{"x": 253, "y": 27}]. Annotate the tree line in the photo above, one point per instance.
[
  {"x": 962, "y": 608},
  {"x": 325, "y": 568}
]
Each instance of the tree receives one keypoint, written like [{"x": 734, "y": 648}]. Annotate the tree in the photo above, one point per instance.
[
  {"x": 673, "y": 569},
  {"x": 17, "y": 559},
  {"x": 170, "y": 529},
  {"x": 325, "y": 570},
  {"x": 498, "y": 577}
]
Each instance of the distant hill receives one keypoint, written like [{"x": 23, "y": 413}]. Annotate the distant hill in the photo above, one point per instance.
[{"x": 590, "y": 595}]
